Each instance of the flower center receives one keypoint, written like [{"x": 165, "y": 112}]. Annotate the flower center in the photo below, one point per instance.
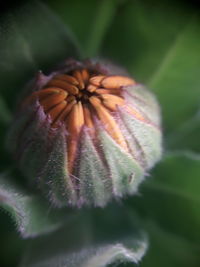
[
  {"x": 77, "y": 97},
  {"x": 82, "y": 93}
]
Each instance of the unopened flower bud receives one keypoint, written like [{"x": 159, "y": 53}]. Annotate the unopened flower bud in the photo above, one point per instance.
[{"x": 86, "y": 134}]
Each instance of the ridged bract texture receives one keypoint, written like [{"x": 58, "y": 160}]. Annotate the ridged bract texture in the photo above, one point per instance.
[{"x": 86, "y": 133}]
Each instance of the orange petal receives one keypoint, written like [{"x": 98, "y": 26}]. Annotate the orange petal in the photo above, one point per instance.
[
  {"x": 66, "y": 111},
  {"x": 56, "y": 110},
  {"x": 70, "y": 88},
  {"x": 45, "y": 92},
  {"x": 87, "y": 117},
  {"x": 111, "y": 101},
  {"x": 85, "y": 75},
  {"x": 53, "y": 99},
  {"x": 108, "y": 91},
  {"x": 75, "y": 119},
  {"x": 109, "y": 122},
  {"x": 74, "y": 123},
  {"x": 96, "y": 80},
  {"x": 116, "y": 81},
  {"x": 78, "y": 76},
  {"x": 91, "y": 88},
  {"x": 40, "y": 95},
  {"x": 135, "y": 113},
  {"x": 67, "y": 78}
]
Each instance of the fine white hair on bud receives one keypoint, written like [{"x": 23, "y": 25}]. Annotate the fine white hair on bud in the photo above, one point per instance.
[{"x": 86, "y": 133}]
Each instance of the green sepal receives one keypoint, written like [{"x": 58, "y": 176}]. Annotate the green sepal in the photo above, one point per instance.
[
  {"x": 95, "y": 183},
  {"x": 125, "y": 172},
  {"x": 148, "y": 137},
  {"x": 54, "y": 179}
]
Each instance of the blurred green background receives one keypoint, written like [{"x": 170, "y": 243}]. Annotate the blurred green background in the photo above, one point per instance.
[{"x": 159, "y": 44}]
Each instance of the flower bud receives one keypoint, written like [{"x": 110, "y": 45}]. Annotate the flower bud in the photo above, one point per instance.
[{"x": 85, "y": 133}]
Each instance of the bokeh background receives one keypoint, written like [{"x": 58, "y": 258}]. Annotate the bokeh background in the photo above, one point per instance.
[{"x": 159, "y": 44}]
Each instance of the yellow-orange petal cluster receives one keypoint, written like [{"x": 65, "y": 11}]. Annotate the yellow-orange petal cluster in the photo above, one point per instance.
[{"x": 75, "y": 98}]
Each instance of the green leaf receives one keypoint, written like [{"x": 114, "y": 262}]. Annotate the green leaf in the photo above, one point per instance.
[
  {"x": 165, "y": 56},
  {"x": 5, "y": 114},
  {"x": 171, "y": 196},
  {"x": 96, "y": 257},
  {"x": 32, "y": 215},
  {"x": 168, "y": 249},
  {"x": 102, "y": 20},
  {"x": 187, "y": 135},
  {"x": 5, "y": 118},
  {"x": 32, "y": 38},
  {"x": 113, "y": 254},
  {"x": 179, "y": 75},
  {"x": 94, "y": 16},
  {"x": 92, "y": 239}
]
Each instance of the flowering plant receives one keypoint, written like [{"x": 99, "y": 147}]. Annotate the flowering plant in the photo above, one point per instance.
[{"x": 76, "y": 122}]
